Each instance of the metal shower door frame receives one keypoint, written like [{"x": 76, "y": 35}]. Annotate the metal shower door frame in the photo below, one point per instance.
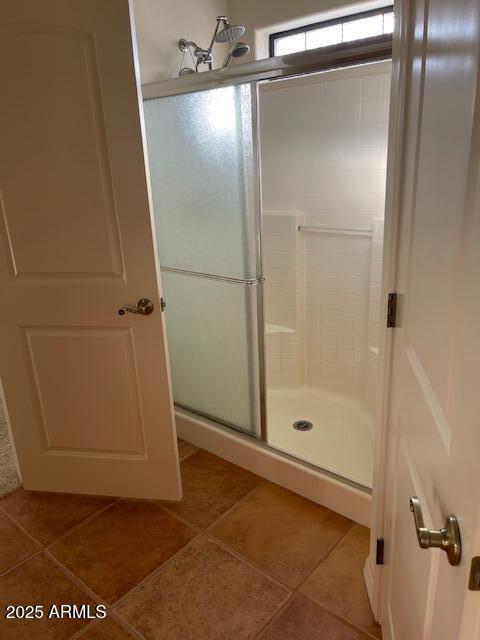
[
  {"x": 323, "y": 59},
  {"x": 304, "y": 63}
]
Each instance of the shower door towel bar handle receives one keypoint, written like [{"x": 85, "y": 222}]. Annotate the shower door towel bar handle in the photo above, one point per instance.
[{"x": 144, "y": 307}]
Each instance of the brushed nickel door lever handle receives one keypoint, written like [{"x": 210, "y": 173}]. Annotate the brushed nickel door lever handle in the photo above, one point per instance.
[
  {"x": 144, "y": 307},
  {"x": 447, "y": 538}
]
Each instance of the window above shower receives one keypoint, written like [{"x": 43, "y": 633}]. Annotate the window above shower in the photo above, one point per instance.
[{"x": 359, "y": 26}]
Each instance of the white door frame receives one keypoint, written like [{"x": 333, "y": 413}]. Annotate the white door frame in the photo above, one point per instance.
[{"x": 372, "y": 572}]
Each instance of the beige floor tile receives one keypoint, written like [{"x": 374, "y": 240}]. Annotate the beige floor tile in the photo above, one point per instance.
[
  {"x": 337, "y": 583},
  {"x": 15, "y": 546},
  {"x": 282, "y": 532},
  {"x": 118, "y": 548},
  {"x": 206, "y": 593},
  {"x": 39, "y": 582},
  {"x": 302, "y": 619},
  {"x": 47, "y": 516},
  {"x": 210, "y": 487}
]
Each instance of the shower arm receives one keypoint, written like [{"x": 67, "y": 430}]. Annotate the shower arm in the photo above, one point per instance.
[
  {"x": 227, "y": 59},
  {"x": 220, "y": 19},
  {"x": 202, "y": 55}
]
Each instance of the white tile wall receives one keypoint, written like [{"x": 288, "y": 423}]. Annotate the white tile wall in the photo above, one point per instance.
[{"x": 323, "y": 142}]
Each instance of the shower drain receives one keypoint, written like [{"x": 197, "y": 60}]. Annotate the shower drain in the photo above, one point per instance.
[{"x": 302, "y": 425}]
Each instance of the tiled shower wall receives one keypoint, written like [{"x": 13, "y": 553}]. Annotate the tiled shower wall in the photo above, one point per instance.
[
  {"x": 284, "y": 269},
  {"x": 324, "y": 144}
]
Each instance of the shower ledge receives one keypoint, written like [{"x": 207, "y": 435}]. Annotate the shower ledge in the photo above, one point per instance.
[{"x": 271, "y": 328}]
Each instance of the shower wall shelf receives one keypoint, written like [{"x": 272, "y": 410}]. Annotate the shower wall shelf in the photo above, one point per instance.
[
  {"x": 339, "y": 232},
  {"x": 271, "y": 328}
]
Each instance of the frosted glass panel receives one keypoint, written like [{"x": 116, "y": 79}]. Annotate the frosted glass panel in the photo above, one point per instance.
[
  {"x": 212, "y": 338},
  {"x": 202, "y": 166}
]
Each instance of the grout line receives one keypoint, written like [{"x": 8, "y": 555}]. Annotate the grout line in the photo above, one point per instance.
[
  {"x": 75, "y": 579},
  {"x": 327, "y": 554},
  {"x": 80, "y": 524},
  {"x": 6, "y": 495},
  {"x": 206, "y": 536},
  {"x": 113, "y": 616},
  {"x": 126, "y": 625},
  {"x": 248, "y": 562},
  {"x": 337, "y": 615},
  {"x": 22, "y": 528},
  {"x": 297, "y": 591},
  {"x": 237, "y": 504},
  {"x": 98, "y": 599},
  {"x": 180, "y": 518},
  {"x": 154, "y": 572},
  {"x": 276, "y": 615},
  {"x": 19, "y": 564},
  {"x": 187, "y": 455},
  {"x": 63, "y": 535},
  {"x": 261, "y": 569},
  {"x": 190, "y": 524}
]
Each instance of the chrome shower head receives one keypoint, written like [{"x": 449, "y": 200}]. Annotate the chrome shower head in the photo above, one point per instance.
[
  {"x": 223, "y": 32},
  {"x": 230, "y": 32},
  {"x": 237, "y": 50}
]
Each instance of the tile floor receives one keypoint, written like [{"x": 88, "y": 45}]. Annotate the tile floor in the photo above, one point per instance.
[{"x": 239, "y": 558}]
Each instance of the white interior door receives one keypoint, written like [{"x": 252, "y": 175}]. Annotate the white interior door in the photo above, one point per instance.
[
  {"x": 434, "y": 435},
  {"x": 87, "y": 389}
]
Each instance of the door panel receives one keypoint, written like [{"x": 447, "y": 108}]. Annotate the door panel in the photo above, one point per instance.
[
  {"x": 433, "y": 422},
  {"x": 69, "y": 367},
  {"x": 87, "y": 390},
  {"x": 63, "y": 131}
]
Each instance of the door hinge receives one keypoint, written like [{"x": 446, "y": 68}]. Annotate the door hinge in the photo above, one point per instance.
[
  {"x": 163, "y": 304},
  {"x": 380, "y": 550},
  {"x": 392, "y": 310},
  {"x": 474, "y": 581}
]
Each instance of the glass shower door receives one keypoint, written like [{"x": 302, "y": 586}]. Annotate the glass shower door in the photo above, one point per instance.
[{"x": 205, "y": 188}]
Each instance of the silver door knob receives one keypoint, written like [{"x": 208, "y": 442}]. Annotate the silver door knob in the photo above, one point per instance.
[
  {"x": 144, "y": 307},
  {"x": 447, "y": 538}
]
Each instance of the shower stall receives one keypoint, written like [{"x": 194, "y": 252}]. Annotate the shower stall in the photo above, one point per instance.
[{"x": 205, "y": 134}]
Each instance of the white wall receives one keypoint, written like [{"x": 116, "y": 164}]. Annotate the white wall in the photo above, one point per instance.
[
  {"x": 161, "y": 23},
  {"x": 324, "y": 144},
  {"x": 262, "y": 17}
]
